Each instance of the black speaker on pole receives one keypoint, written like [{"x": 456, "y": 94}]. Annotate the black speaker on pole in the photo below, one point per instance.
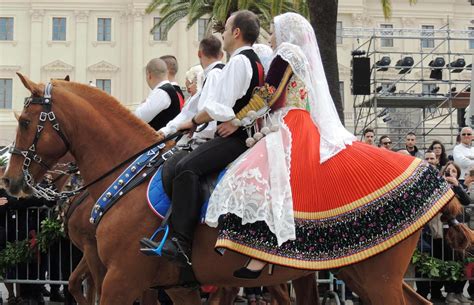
[{"x": 360, "y": 76}]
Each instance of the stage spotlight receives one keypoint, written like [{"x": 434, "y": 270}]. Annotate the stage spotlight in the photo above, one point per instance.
[
  {"x": 405, "y": 64},
  {"x": 392, "y": 89},
  {"x": 383, "y": 113},
  {"x": 383, "y": 63},
  {"x": 454, "y": 89},
  {"x": 458, "y": 63},
  {"x": 438, "y": 62},
  {"x": 378, "y": 89},
  {"x": 387, "y": 119},
  {"x": 468, "y": 89}
]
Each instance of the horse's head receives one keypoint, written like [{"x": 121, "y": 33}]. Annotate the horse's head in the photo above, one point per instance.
[{"x": 39, "y": 141}]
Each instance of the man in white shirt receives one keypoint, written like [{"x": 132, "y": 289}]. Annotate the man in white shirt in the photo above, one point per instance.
[
  {"x": 162, "y": 104},
  {"x": 233, "y": 91},
  {"x": 172, "y": 66},
  {"x": 463, "y": 153},
  {"x": 210, "y": 55}
]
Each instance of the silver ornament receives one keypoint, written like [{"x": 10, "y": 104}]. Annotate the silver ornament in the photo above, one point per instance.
[{"x": 250, "y": 142}]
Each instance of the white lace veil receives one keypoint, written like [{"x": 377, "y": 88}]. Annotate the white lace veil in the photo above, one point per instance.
[
  {"x": 265, "y": 53},
  {"x": 295, "y": 29}
]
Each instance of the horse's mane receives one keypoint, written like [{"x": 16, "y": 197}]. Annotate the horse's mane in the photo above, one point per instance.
[{"x": 102, "y": 102}]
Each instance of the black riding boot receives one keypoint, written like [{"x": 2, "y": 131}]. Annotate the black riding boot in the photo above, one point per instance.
[{"x": 186, "y": 210}]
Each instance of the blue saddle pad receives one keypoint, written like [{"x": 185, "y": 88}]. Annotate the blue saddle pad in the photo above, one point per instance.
[{"x": 158, "y": 200}]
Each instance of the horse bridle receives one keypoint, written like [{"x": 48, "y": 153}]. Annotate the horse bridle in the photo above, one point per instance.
[{"x": 30, "y": 155}]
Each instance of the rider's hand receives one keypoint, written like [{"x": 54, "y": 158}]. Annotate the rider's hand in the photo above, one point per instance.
[
  {"x": 3, "y": 201},
  {"x": 189, "y": 126},
  {"x": 161, "y": 135},
  {"x": 225, "y": 129}
]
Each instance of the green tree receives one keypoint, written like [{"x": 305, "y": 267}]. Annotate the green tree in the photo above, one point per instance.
[
  {"x": 172, "y": 11},
  {"x": 322, "y": 15}
]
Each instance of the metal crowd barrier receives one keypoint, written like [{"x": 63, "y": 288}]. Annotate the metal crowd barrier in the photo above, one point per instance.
[
  {"x": 55, "y": 266},
  {"x": 52, "y": 267}
]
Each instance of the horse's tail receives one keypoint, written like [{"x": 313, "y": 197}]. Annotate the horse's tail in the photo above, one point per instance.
[{"x": 459, "y": 236}]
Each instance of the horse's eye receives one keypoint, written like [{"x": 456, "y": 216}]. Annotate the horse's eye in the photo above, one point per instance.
[{"x": 24, "y": 123}]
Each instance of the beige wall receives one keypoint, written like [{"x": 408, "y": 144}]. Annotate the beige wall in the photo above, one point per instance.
[{"x": 123, "y": 59}]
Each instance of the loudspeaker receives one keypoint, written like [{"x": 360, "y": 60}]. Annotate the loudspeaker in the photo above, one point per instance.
[{"x": 361, "y": 76}]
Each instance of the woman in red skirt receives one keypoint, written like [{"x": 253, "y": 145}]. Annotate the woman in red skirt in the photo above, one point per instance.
[{"x": 307, "y": 194}]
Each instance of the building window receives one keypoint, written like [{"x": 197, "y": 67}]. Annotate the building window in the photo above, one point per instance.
[
  {"x": 471, "y": 34},
  {"x": 6, "y": 28},
  {"x": 339, "y": 32},
  {"x": 427, "y": 31},
  {"x": 59, "y": 28},
  {"x": 104, "y": 84},
  {"x": 341, "y": 91},
  {"x": 387, "y": 31},
  {"x": 5, "y": 93},
  {"x": 202, "y": 28},
  {"x": 104, "y": 29},
  {"x": 159, "y": 33}
]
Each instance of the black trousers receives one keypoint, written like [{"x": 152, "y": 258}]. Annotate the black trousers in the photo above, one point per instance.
[{"x": 209, "y": 157}]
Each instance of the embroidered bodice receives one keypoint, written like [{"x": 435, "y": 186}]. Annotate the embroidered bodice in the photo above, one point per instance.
[{"x": 296, "y": 94}]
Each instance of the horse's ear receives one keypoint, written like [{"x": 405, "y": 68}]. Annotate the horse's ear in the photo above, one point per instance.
[
  {"x": 17, "y": 115},
  {"x": 66, "y": 78},
  {"x": 29, "y": 84}
]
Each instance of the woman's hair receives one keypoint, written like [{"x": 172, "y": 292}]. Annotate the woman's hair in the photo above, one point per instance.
[
  {"x": 443, "y": 170},
  {"x": 443, "y": 158}
]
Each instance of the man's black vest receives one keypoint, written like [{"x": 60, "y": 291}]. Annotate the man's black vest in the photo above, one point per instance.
[
  {"x": 218, "y": 66},
  {"x": 257, "y": 79},
  {"x": 180, "y": 95},
  {"x": 166, "y": 115}
]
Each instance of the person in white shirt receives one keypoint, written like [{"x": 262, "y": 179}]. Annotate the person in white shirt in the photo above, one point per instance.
[
  {"x": 172, "y": 66},
  {"x": 210, "y": 55},
  {"x": 162, "y": 104},
  {"x": 233, "y": 91},
  {"x": 463, "y": 153}
]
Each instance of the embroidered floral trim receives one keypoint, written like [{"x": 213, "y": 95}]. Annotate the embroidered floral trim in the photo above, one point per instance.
[{"x": 352, "y": 232}]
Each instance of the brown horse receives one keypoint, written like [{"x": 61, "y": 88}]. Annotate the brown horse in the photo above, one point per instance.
[{"x": 101, "y": 134}]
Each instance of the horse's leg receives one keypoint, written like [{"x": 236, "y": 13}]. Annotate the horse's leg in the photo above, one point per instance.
[
  {"x": 306, "y": 290},
  {"x": 91, "y": 291},
  {"x": 75, "y": 282},
  {"x": 223, "y": 296},
  {"x": 117, "y": 290},
  {"x": 280, "y": 295},
  {"x": 184, "y": 296},
  {"x": 379, "y": 279},
  {"x": 411, "y": 297},
  {"x": 149, "y": 297},
  {"x": 96, "y": 267}
]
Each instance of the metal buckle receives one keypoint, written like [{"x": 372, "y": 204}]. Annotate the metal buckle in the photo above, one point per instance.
[
  {"x": 51, "y": 116},
  {"x": 43, "y": 116},
  {"x": 26, "y": 163},
  {"x": 37, "y": 158},
  {"x": 167, "y": 154}
]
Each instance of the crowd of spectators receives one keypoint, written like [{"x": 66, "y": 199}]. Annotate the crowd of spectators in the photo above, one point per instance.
[{"x": 458, "y": 171}]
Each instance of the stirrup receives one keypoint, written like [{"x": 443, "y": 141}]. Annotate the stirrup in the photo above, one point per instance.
[{"x": 151, "y": 248}]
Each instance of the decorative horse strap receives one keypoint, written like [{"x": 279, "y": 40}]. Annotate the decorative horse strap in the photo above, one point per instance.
[
  {"x": 30, "y": 154},
  {"x": 137, "y": 172}
]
